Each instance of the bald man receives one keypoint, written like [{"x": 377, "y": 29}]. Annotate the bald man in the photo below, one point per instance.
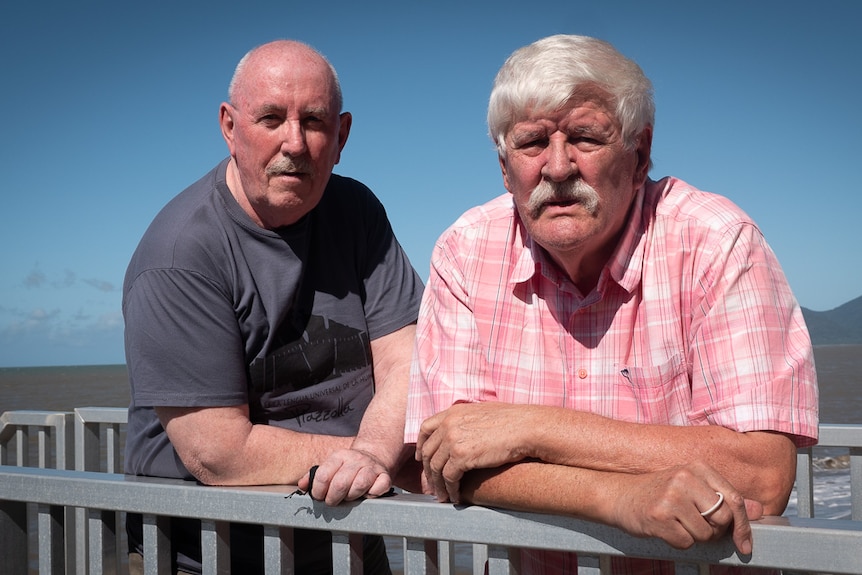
[{"x": 270, "y": 314}]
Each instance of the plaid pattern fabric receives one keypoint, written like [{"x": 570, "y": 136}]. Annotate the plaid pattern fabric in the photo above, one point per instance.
[{"x": 692, "y": 323}]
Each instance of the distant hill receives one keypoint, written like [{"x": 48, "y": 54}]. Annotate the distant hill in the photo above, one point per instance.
[{"x": 836, "y": 326}]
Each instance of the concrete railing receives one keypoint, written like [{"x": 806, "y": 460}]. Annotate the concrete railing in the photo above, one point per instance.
[{"x": 74, "y": 514}]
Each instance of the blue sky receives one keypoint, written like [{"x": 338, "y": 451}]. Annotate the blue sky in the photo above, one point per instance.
[{"x": 110, "y": 109}]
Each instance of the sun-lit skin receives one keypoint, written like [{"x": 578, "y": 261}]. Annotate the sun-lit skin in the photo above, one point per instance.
[
  {"x": 582, "y": 140},
  {"x": 284, "y": 133}
]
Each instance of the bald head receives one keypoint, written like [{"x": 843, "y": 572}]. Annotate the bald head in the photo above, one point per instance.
[{"x": 281, "y": 53}]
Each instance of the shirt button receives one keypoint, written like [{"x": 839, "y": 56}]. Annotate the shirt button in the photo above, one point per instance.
[{"x": 582, "y": 373}]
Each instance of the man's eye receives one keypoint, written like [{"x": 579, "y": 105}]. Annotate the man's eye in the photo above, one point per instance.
[
  {"x": 530, "y": 146},
  {"x": 531, "y": 143},
  {"x": 586, "y": 143},
  {"x": 270, "y": 120},
  {"x": 313, "y": 121}
]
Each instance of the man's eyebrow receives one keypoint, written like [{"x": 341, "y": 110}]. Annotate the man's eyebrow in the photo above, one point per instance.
[
  {"x": 588, "y": 129},
  {"x": 528, "y": 131},
  {"x": 265, "y": 109},
  {"x": 316, "y": 111}
]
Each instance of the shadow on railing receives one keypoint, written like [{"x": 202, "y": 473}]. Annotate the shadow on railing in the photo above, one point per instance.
[{"x": 76, "y": 515}]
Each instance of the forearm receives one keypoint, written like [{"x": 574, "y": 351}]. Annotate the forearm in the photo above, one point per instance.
[
  {"x": 542, "y": 488},
  {"x": 760, "y": 464},
  {"x": 270, "y": 455},
  {"x": 381, "y": 433},
  {"x": 467, "y": 437},
  {"x": 220, "y": 446},
  {"x": 675, "y": 504}
]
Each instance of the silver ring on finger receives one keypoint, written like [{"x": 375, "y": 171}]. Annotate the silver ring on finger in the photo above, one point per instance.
[{"x": 715, "y": 507}]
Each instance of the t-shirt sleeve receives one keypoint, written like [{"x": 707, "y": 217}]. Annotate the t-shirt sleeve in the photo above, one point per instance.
[
  {"x": 182, "y": 342},
  {"x": 393, "y": 290}
]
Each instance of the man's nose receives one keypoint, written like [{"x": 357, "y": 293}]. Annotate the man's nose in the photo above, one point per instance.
[
  {"x": 293, "y": 138},
  {"x": 560, "y": 162}
]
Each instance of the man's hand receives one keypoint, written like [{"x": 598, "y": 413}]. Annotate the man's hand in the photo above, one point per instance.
[
  {"x": 675, "y": 505},
  {"x": 346, "y": 475},
  {"x": 469, "y": 436}
]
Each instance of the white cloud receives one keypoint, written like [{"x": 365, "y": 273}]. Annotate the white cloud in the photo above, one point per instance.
[
  {"x": 35, "y": 279},
  {"x": 50, "y": 337},
  {"x": 68, "y": 280},
  {"x": 100, "y": 285}
]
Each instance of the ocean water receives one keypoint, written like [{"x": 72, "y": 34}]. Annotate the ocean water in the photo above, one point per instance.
[{"x": 839, "y": 370}]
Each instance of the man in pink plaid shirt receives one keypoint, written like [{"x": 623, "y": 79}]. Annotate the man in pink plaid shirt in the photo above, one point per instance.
[{"x": 598, "y": 344}]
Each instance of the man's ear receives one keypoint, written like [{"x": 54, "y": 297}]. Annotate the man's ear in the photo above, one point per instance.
[
  {"x": 226, "y": 123},
  {"x": 345, "y": 120},
  {"x": 644, "y": 157},
  {"x": 505, "y": 171}
]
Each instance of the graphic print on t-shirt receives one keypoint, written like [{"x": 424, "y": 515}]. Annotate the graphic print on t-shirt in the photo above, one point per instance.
[
  {"x": 325, "y": 350},
  {"x": 323, "y": 376}
]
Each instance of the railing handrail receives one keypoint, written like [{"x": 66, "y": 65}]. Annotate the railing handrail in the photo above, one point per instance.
[{"x": 421, "y": 517}]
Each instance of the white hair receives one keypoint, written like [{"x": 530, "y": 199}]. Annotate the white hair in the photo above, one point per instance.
[{"x": 547, "y": 73}]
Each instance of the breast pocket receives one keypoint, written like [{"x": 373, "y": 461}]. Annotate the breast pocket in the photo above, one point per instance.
[{"x": 655, "y": 394}]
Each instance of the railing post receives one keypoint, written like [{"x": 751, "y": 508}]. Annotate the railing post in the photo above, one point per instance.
[
  {"x": 64, "y": 441},
  {"x": 86, "y": 449},
  {"x": 421, "y": 557},
  {"x": 592, "y": 565},
  {"x": 52, "y": 556},
  {"x": 64, "y": 454},
  {"x": 804, "y": 483},
  {"x": 691, "y": 569},
  {"x": 113, "y": 441},
  {"x": 102, "y": 548},
  {"x": 445, "y": 556},
  {"x": 279, "y": 552},
  {"x": 157, "y": 544},
  {"x": 480, "y": 557},
  {"x": 347, "y": 553},
  {"x": 85, "y": 455},
  {"x": 215, "y": 547},
  {"x": 856, "y": 483},
  {"x": 503, "y": 560},
  {"x": 22, "y": 446}
]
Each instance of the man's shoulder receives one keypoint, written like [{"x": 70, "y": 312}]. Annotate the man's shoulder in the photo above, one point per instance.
[
  {"x": 188, "y": 222},
  {"x": 484, "y": 234},
  {"x": 343, "y": 188},
  {"x": 181, "y": 210},
  {"x": 347, "y": 197},
  {"x": 679, "y": 201},
  {"x": 499, "y": 211}
]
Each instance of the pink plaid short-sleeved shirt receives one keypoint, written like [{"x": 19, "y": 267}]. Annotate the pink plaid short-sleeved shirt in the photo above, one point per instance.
[{"x": 692, "y": 323}]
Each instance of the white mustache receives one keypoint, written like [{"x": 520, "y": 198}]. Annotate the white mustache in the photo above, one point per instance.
[
  {"x": 568, "y": 191},
  {"x": 289, "y": 165}
]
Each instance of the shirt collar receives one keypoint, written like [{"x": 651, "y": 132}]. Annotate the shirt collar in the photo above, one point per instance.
[{"x": 626, "y": 263}]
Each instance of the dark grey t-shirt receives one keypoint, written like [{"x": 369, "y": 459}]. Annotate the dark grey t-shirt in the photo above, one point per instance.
[{"x": 221, "y": 312}]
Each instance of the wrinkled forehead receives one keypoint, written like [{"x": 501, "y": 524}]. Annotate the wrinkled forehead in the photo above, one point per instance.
[
  {"x": 288, "y": 68},
  {"x": 277, "y": 92},
  {"x": 587, "y": 99}
]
